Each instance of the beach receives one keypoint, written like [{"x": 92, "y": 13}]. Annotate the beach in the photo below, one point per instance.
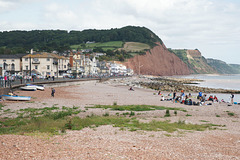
[{"x": 109, "y": 142}]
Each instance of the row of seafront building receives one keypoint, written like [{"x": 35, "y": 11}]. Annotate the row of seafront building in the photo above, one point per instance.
[{"x": 43, "y": 64}]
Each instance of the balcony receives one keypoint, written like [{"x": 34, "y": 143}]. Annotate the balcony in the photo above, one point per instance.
[
  {"x": 35, "y": 62},
  {"x": 55, "y": 62}
]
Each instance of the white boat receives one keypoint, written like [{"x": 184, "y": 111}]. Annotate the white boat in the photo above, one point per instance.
[
  {"x": 39, "y": 87},
  {"x": 29, "y": 88},
  {"x": 16, "y": 98}
]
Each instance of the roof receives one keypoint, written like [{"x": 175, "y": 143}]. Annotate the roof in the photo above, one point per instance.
[
  {"x": 12, "y": 56},
  {"x": 44, "y": 55},
  {"x": 8, "y": 56}
]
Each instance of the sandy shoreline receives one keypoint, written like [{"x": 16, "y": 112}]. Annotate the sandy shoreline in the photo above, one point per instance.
[{"x": 107, "y": 142}]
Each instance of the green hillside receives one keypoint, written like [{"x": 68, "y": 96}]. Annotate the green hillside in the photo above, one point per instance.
[
  {"x": 223, "y": 67},
  {"x": 115, "y": 50},
  {"x": 60, "y": 40},
  {"x": 112, "y": 45},
  {"x": 235, "y": 67}
]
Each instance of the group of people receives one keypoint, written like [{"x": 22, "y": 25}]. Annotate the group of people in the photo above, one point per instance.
[{"x": 188, "y": 99}]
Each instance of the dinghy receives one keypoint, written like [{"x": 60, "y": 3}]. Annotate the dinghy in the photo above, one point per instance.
[
  {"x": 16, "y": 98},
  {"x": 39, "y": 87},
  {"x": 28, "y": 88}
]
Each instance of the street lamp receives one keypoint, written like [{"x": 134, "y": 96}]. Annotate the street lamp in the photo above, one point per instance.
[{"x": 139, "y": 66}]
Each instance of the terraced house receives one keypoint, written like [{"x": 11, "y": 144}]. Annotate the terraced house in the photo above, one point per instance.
[
  {"x": 45, "y": 64},
  {"x": 11, "y": 64}
]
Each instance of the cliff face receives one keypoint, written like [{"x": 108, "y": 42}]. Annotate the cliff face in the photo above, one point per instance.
[
  {"x": 159, "y": 62},
  {"x": 198, "y": 63},
  {"x": 194, "y": 60}
]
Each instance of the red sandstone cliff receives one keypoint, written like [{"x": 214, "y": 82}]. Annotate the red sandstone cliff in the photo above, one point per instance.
[{"x": 159, "y": 62}]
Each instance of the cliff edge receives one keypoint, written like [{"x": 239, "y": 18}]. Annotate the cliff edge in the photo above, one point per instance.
[{"x": 159, "y": 61}]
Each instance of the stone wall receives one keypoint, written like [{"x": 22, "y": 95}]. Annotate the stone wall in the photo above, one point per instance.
[{"x": 4, "y": 91}]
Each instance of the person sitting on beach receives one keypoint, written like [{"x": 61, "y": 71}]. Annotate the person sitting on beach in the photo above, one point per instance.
[
  {"x": 182, "y": 95},
  {"x": 223, "y": 101},
  {"x": 203, "y": 99},
  {"x": 210, "y": 98},
  {"x": 200, "y": 96},
  {"x": 131, "y": 89},
  {"x": 189, "y": 95},
  {"x": 162, "y": 99},
  {"x": 215, "y": 98},
  {"x": 159, "y": 93},
  {"x": 11, "y": 93}
]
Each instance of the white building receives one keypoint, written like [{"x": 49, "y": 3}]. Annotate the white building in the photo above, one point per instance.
[
  {"x": 45, "y": 63},
  {"x": 11, "y": 64},
  {"x": 118, "y": 69}
]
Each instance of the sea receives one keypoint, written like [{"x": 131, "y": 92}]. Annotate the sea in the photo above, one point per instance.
[{"x": 226, "y": 81}]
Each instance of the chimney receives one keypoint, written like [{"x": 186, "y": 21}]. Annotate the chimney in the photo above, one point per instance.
[{"x": 71, "y": 59}]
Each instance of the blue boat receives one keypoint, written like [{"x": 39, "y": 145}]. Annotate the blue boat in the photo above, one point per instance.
[{"x": 16, "y": 98}]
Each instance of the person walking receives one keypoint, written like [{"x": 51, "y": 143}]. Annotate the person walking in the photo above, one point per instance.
[
  {"x": 5, "y": 79},
  {"x": 21, "y": 79},
  {"x": 53, "y": 92},
  {"x": 231, "y": 97},
  {"x": 174, "y": 96}
]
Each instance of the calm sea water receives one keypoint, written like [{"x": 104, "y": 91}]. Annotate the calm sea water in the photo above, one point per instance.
[{"x": 219, "y": 81}]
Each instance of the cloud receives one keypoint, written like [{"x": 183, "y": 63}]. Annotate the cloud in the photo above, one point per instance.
[
  {"x": 59, "y": 13},
  {"x": 6, "y": 6},
  {"x": 179, "y": 23}
]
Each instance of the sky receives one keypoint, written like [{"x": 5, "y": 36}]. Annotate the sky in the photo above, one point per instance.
[{"x": 211, "y": 26}]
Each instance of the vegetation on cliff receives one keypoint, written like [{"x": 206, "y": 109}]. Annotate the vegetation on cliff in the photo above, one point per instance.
[
  {"x": 115, "y": 50},
  {"x": 195, "y": 61},
  {"x": 223, "y": 67},
  {"x": 60, "y": 40}
]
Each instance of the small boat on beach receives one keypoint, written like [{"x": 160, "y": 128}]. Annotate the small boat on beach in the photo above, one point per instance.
[
  {"x": 28, "y": 88},
  {"x": 39, "y": 87},
  {"x": 16, "y": 98}
]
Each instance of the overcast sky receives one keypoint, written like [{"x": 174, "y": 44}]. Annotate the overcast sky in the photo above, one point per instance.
[{"x": 212, "y": 26}]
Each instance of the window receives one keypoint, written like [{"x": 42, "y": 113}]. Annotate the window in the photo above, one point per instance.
[
  {"x": 36, "y": 67},
  {"x": 48, "y": 59},
  {"x": 4, "y": 60},
  {"x": 13, "y": 66},
  {"x": 35, "y": 59},
  {"x": 26, "y": 67},
  {"x": 48, "y": 66},
  {"x": 26, "y": 59},
  {"x": 65, "y": 66},
  {"x": 13, "y": 60},
  {"x": 5, "y": 65}
]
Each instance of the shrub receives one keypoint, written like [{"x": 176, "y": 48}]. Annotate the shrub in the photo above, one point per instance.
[
  {"x": 231, "y": 114},
  {"x": 175, "y": 112},
  {"x": 132, "y": 114},
  {"x": 167, "y": 114},
  {"x": 106, "y": 114}
]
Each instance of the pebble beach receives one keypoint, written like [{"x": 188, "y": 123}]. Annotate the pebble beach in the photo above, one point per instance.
[{"x": 108, "y": 142}]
